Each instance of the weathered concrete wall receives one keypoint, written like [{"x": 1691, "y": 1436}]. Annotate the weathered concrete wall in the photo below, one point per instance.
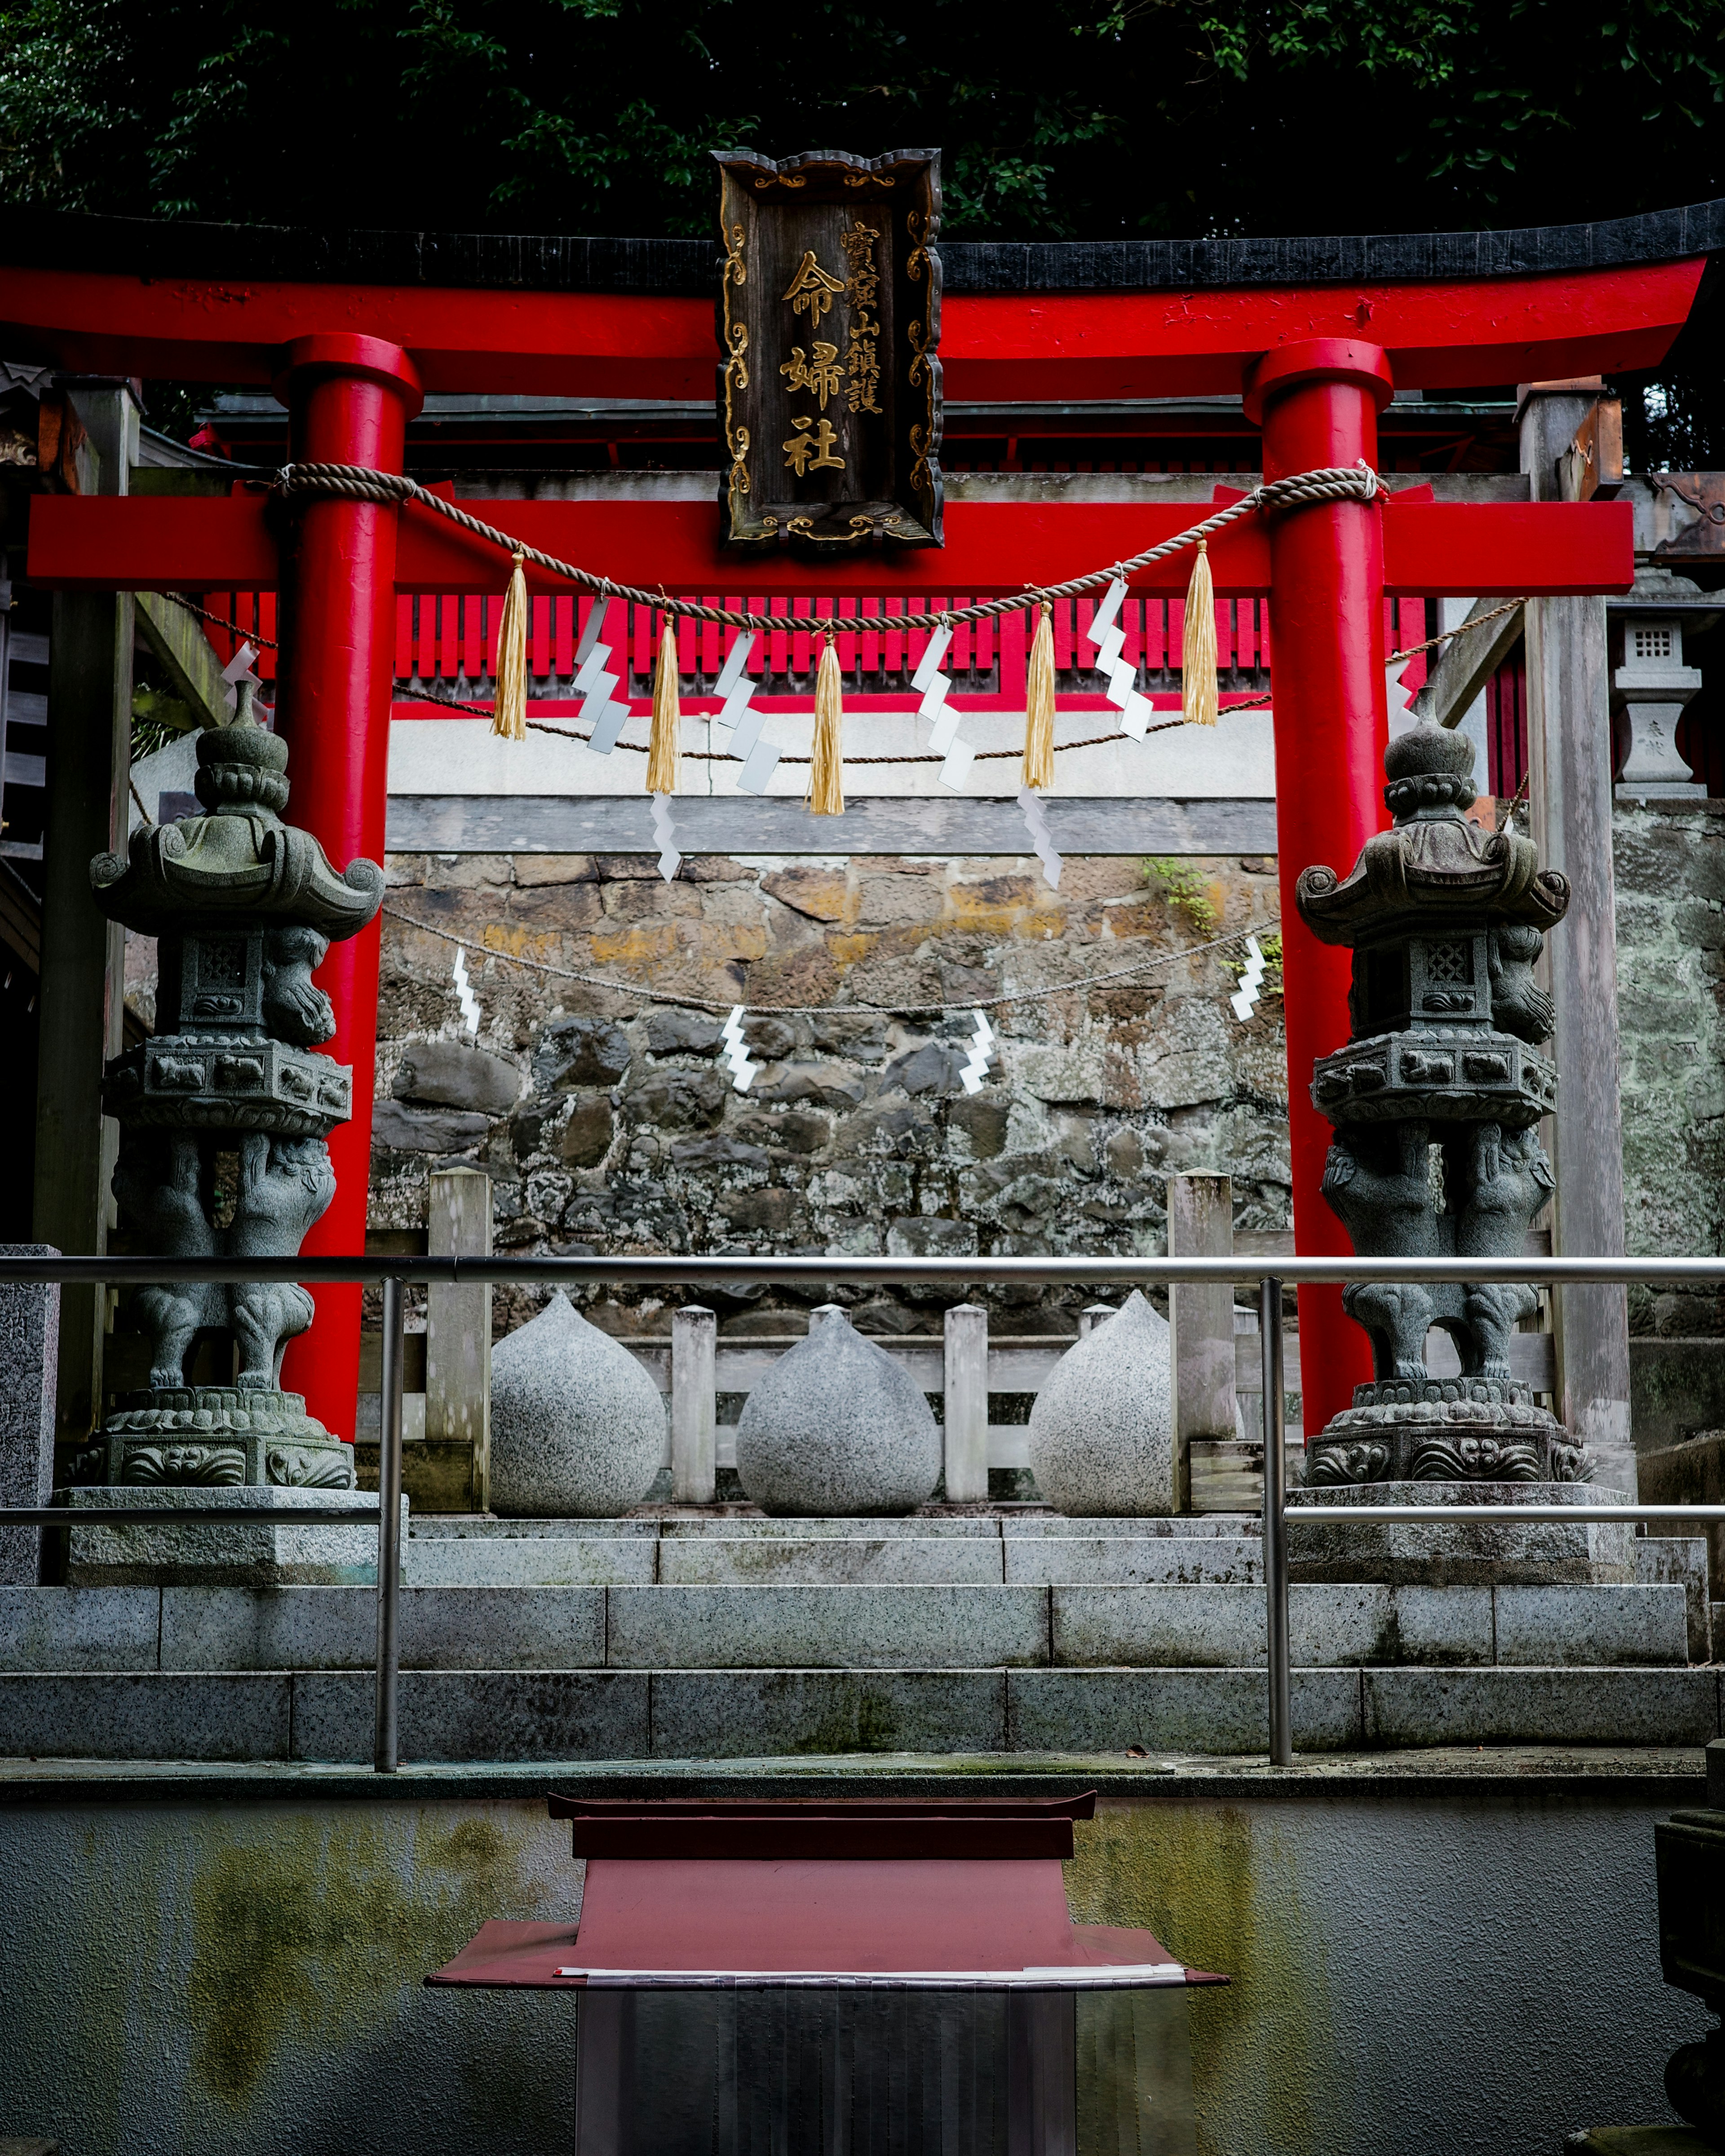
[
  {"x": 1670, "y": 863},
  {"x": 1414, "y": 1969},
  {"x": 857, "y": 1135}
]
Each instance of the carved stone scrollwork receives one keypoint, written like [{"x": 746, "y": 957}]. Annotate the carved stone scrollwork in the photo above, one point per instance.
[
  {"x": 217, "y": 1466},
  {"x": 310, "y": 1470}
]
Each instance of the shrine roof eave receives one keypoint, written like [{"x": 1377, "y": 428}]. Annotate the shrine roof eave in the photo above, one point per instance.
[{"x": 1081, "y": 322}]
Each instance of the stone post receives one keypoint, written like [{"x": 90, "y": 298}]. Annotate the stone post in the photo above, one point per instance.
[
  {"x": 1569, "y": 798},
  {"x": 82, "y": 955},
  {"x": 695, "y": 1342},
  {"x": 458, "y": 1323},
  {"x": 29, "y": 1348},
  {"x": 1200, "y": 1224},
  {"x": 967, "y": 1404}
]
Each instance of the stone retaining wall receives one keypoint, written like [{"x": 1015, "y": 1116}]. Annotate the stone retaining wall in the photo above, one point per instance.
[{"x": 624, "y": 1135}]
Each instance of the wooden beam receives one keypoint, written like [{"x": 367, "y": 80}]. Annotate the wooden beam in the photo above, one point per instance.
[
  {"x": 1570, "y": 795},
  {"x": 83, "y": 954},
  {"x": 998, "y": 346},
  {"x": 166, "y": 543},
  {"x": 188, "y": 657},
  {"x": 877, "y": 823},
  {"x": 1467, "y": 664}
]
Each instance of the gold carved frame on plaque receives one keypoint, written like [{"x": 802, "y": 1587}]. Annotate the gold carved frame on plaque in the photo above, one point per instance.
[{"x": 829, "y": 327}]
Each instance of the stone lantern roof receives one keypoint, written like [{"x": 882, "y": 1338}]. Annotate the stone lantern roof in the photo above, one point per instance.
[{"x": 1433, "y": 872}]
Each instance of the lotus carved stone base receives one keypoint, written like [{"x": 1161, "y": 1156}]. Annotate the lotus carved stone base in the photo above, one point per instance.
[
  {"x": 214, "y": 1437},
  {"x": 1449, "y": 1430}
]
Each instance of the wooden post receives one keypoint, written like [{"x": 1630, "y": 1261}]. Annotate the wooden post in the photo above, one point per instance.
[
  {"x": 83, "y": 1010},
  {"x": 967, "y": 1404},
  {"x": 458, "y": 1323},
  {"x": 1570, "y": 795},
  {"x": 695, "y": 1440},
  {"x": 1200, "y": 1224}
]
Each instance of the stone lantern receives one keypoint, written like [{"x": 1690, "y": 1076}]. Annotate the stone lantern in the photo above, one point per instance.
[
  {"x": 1437, "y": 1100},
  {"x": 1651, "y": 685},
  {"x": 224, "y": 1112}
]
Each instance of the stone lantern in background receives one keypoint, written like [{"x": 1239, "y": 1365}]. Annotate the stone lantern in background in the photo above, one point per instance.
[
  {"x": 1437, "y": 1100},
  {"x": 1651, "y": 685},
  {"x": 224, "y": 1113}
]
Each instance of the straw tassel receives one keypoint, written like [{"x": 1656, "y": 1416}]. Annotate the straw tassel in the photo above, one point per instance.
[
  {"x": 1197, "y": 656},
  {"x": 509, "y": 701},
  {"x": 666, "y": 743},
  {"x": 826, "y": 769},
  {"x": 1039, "y": 704}
]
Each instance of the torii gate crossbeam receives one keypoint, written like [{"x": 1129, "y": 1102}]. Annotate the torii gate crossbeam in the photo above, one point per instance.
[{"x": 1314, "y": 334}]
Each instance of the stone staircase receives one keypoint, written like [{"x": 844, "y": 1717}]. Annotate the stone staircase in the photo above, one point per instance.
[{"x": 725, "y": 1636}]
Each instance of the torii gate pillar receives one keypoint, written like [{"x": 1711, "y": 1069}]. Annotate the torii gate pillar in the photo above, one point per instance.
[
  {"x": 1317, "y": 404},
  {"x": 349, "y": 398}
]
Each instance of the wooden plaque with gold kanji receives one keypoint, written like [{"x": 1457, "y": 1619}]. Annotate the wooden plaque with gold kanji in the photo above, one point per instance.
[{"x": 829, "y": 320}]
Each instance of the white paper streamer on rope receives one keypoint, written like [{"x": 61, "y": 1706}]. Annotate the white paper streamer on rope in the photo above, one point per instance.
[
  {"x": 1109, "y": 638},
  {"x": 464, "y": 995},
  {"x": 1249, "y": 982},
  {"x": 1397, "y": 698},
  {"x": 982, "y": 1051},
  {"x": 943, "y": 717},
  {"x": 593, "y": 685},
  {"x": 736, "y": 1053},
  {"x": 743, "y": 719},
  {"x": 1041, "y": 844},
  {"x": 239, "y": 668},
  {"x": 666, "y": 833}
]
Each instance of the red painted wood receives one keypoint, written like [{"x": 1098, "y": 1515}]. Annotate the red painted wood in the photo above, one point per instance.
[
  {"x": 994, "y": 347},
  {"x": 349, "y": 400},
  {"x": 1430, "y": 549},
  {"x": 1319, "y": 406}
]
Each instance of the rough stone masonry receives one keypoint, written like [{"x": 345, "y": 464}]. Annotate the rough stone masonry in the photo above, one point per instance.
[{"x": 609, "y": 1123}]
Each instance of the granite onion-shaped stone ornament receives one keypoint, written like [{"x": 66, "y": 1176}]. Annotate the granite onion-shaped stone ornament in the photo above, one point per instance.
[
  {"x": 1102, "y": 1431},
  {"x": 837, "y": 1429},
  {"x": 577, "y": 1426}
]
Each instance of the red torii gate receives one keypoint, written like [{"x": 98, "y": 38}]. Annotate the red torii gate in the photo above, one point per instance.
[{"x": 1313, "y": 334}]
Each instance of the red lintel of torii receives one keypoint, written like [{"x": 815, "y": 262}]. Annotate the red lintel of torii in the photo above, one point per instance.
[{"x": 1314, "y": 358}]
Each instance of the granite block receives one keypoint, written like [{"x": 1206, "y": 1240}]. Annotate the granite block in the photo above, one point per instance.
[
  {"x": 1213, "y": 1710},
  {"x": 1470, "y": 1553},
  {"x": 763, "y": 1713},
  {"x": 1333, "y": 1626},
  {"x": 264, "y": 1555},
  {"x": 1134, "y": 1560},
  {"x": 80, "y": 1628},
  {"x": 530, "y": 1561},
  {"x": 1181, "y": 1525},
  {"x": 29, "y": 1352},
  {"x": 1668, "y": 1558},
  {"x": 150, "y": 1716},
  {"x": 831, "y": 1560},
  {"x": 1591, "y": 1627},
  {"x": 481, "y": 1527},
  {"x": 1413, "y": 1706},
  {"x": 846, "y": 1628},
  {"x": 921, "y": 1527},
  {"x": 477, "y": 1715},
  {"x": 336, "y": 1628}
]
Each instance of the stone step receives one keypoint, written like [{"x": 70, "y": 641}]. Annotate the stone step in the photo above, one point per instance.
[
  {"x": 841, "y": 1627},
  {"x": 575, "y": 1716},
  {"x": 830, "y": 1560},
  {"x": 727, "y": 1526}
]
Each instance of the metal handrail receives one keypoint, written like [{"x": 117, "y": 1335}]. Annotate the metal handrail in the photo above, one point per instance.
[{"x": 1270, "y": 1275}]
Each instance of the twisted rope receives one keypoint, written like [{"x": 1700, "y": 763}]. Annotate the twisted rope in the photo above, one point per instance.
[
  {"x": 827, "y": 1010},
  {"x": 360, "y": 482}
]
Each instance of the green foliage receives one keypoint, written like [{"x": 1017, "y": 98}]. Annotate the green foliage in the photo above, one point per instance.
[
  {"x": 1091, "y": 118},
  {"x": 158, "y": 719},
  {"x": 1183, "y": 887}
]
